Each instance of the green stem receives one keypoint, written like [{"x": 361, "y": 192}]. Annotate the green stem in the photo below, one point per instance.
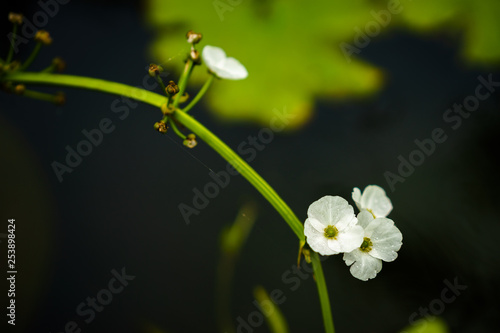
[
  {"x": 176, "y": 129},
  {"x": 73, "y": 81},
  {"x": 237, "y": 162},
  {"x": 202, "y": 132},
  {"x": 40, "y": 95},
  {"x": 32, "y": 56},
  {"x": 183, "y": 81},
  {"x": 197, "y": 128},
  {"x": 162, "y": 85},
  {"x": 200, "y": 94},
  {"x": 323, "y": 293},
  {"x": 12, "y": 42}
]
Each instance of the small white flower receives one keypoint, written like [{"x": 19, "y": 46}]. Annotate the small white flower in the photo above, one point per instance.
[
  {"x": 373, "y": 200},
  {"x": 381, "y": 241},
  {"x": 222, "y": 66},
  {"x": 331, "y": 226}
]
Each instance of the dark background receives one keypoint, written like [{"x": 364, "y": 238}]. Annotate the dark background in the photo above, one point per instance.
[{"x": 118, "y": 208}]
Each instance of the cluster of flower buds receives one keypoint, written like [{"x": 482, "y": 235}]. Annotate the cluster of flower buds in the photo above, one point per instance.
[
  {"x": 161, "y": 126},
  {"x": 194, "y": 38}
]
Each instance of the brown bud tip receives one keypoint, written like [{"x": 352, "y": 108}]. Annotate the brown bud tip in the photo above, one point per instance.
[
  {"x": 161, "y": 127},
  {"x": 190, "y": 141},
  {"x": 19, "y": 89},
  {"x": 59, "y": 64},
  {"x": 16, "y": 18},
  {"x": 60, "y": 98},
  {"x": 195, "y": 56},
  {"x": 154, "y": 70},
  {"x": 193, "y": 37},
  {"x": 172, "y": 89},
  {"x": 43, "y": 36}
]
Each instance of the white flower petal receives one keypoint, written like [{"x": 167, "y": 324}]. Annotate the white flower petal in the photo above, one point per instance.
[
  {"x": 356, "y": 196},
  {"x": 373, "y": 199},
  {"x": 332, "y": 210},
  {"x": 234, "y": 70},
  {"x": 350, "y": 239},
  {"x": 225, "y": 68},
  {"x": 385, "y": 237},
  {"x": 364, "y": 266},
  {"x": 334, "y": 245},
  {"x": 213, "y": 56},
  {"x": 364, "y": 218},
  {"x": 317, "y": 240},
  {"x": 317, "y": 224}
]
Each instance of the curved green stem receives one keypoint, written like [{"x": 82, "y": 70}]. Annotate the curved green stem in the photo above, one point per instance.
[
  {"x": 200, "y": 94},
  {"x": 183, "y": 81},
  {"x": 32, "y": 56},
  {"x": 323, "y": 293},
  {"x": 241, "y": 166},
  {"x": 82, "y": 82},
  {"x": 12, "y": 43},
  {"x": 202, "y": 132},
  {"x": 176, "y": 129}
]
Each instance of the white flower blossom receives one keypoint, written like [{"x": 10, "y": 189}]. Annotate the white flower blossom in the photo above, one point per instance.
[
  {"x": 331, "y": 226},
  {"x": 381, "y": 241},
  {"x": 373, "y": 200},
  {"x": 224, "y": 67}
]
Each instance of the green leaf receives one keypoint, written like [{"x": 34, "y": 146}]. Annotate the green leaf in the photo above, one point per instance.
[
  {"x": 291, "y": 52},
  {"x": 477, "y": 20}
]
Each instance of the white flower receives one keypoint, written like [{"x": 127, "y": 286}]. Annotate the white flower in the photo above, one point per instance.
[
  {"x": 381, "y": 241},
  {"x": 331, "y": 226},
  {"x": 373, "y": 200},
  {"x": 222, "y": 66}
]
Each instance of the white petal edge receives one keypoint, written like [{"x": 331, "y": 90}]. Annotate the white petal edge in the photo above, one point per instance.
[
  {"x": 332, "y": 210},
  {"x": 351, "y": 238},
  {"x": 364, "y": 266},
  {"x": 222, "y": 66},
  {"x": 375, "y": 199},
  {"x": 386, "y": 239}
]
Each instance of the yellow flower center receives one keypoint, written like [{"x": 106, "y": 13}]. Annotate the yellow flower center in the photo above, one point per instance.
[{"x": 331, "y": 231}]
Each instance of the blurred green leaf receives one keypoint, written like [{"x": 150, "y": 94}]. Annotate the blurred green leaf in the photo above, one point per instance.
[
  {"x": 477, "y": 20},
  {"x": 429, "y": 325},
  {"x": 290, "y": 48}
]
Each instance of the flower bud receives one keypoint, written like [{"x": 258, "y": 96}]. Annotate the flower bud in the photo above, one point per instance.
[
  {"x": 193, "y": 37},
  {"x": 43, "y": 36},
  {"x": 160, "y": 126},
  {"x": 195, "y": 56},
  {"x": 60, "y": 98},
  {"x": 155, "y": 69},
  {"x": 16, "y": 18},
  {"x": 172, "y": 88},
  {"x": 190, "y": 141},
  {"x": 59, "y": 64},
  {"x": 19, "y": 89}
]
